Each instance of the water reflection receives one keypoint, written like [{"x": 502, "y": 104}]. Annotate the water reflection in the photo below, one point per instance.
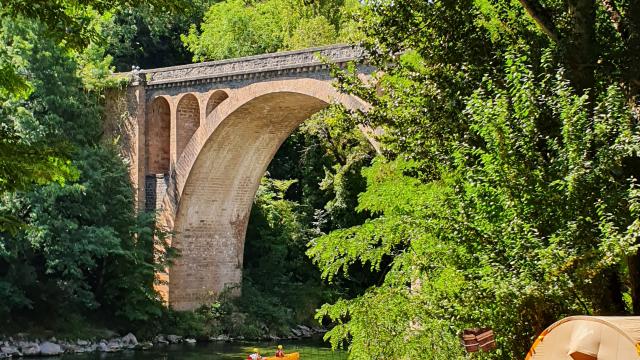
[{"x": 312, "y": 349}]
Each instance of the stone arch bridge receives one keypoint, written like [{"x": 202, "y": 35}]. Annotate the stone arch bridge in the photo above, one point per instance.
[{"x": 199, "y": 137}]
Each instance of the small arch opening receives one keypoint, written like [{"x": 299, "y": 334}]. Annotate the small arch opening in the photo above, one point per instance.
[
  {"x": 187, "y": 121},
  {"x": 215, "y": 99},
  {"x": 157, "y": 141}
]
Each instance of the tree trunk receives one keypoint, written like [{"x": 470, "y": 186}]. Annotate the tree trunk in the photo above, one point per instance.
[
  {"x": 580, "y": 44},
  {"x": 633, "y": 263},
  {"x": 613, "y": 304},
  {"x": 633, "y": 51}
]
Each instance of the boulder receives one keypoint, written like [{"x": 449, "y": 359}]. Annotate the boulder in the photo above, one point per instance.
[
  {"x": 70, "y": 348},
  {"x": 190, "y": 341},
  {"x": 220, "y": 338},
  {"x": 9, "y": 351},
  {"x": 114, "y": 345},
  {"x": 305, "y": 331},
  {"x": 145, "y": 345},
  {"x": 102, "y": 347},
  {"x": 29, "y": 349},
  {"x": 129, "y": 341},
  {"x": 174, "y": 339},
  {"x": 160, "y": 339},
  {"x": 82, "y": 343},
  {"x": 48, "y": 348}
]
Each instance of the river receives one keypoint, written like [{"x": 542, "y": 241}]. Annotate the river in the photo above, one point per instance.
[{"x": 311, "y": 349}]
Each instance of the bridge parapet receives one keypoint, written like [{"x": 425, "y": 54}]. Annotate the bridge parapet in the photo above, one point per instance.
[{"x": 259, "y": 66}]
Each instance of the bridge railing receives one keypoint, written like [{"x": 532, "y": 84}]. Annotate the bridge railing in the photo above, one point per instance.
[{"x": 265, "y": 65}]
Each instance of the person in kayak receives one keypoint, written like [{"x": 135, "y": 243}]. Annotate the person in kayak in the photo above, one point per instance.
[
  {"x": 255, "y": 355},
  {"x": 279, "y": 352}
]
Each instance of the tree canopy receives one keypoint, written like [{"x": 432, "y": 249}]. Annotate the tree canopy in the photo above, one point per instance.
[
  {"x": 70, "y": 239},
  {"x": 236, "y": 28},
  {"x": 507, "y": 194}
]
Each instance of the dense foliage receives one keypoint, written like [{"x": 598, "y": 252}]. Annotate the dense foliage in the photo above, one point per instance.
[
  {"x": 25, "y": 157},
  {"x": 508, "y": 194},
  {"x": 71, "y": 26},
  {"x": 235, "y": 28},
  {"x": 71, "y": 247},
  {"x": 147, "y": 36}
]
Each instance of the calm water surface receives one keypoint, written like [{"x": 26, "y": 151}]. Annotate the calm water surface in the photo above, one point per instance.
[{"x": 312, "y": 349}]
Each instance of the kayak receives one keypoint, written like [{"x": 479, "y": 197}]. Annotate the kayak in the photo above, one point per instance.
[{"x": 292, "y": 356}]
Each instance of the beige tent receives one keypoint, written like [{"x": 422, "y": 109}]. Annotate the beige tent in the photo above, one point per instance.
[{"x": 589, "y": 338}]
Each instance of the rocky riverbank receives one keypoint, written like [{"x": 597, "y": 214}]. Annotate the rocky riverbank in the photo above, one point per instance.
[
  {"x": 35, "y": 347},
  {"x": 23, "y": 346}
]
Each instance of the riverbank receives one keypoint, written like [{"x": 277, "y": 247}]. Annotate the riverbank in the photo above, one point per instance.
[{"x": 24, "y": 345}]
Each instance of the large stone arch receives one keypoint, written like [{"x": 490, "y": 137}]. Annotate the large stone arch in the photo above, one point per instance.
[{"x": 211, "y": 190}]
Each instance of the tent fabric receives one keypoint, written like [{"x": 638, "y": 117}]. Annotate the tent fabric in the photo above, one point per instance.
[{"x": 589, "y": 338}]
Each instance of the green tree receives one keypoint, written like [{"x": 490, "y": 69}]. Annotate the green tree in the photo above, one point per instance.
[
  {"x": 25, "y": 162},
  {"x": 69, "y": 20},
  {"x": 31, "y": 151},
  {"x": 396, "y": 318},
  {"x": 80, "y": 245},
  {"x": 518, "y": 235},
  {"x": 235, "y": 28},
  {"x": 146, "y": 36},
  {"x": 508, "y": 195}
]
